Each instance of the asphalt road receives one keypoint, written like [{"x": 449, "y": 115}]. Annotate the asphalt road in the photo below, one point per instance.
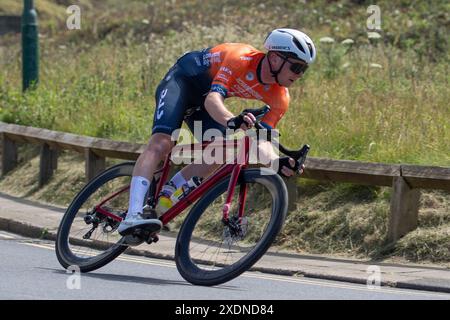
[{"x": 29, "y": 270}]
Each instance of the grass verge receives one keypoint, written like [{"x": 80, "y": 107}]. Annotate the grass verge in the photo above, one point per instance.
[{"x": 343, "y": 220}]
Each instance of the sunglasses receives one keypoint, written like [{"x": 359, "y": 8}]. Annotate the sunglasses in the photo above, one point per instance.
[{"x": 296, "y": 67}]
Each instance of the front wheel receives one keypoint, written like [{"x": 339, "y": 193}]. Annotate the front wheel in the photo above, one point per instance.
[{"x": 209, "y": 252}]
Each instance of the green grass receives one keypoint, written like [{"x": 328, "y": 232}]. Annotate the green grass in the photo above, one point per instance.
[
  {"x": 396, "y": 113},
  {"x": 384, "y": 101},
  {"x": 46, "y": 8},
  {"x": 329, "y": 219}
]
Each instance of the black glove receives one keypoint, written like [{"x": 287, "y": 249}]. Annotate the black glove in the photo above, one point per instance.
[
  {"x": 236, "y": 122},
  {"x": 284, "y": 162}
]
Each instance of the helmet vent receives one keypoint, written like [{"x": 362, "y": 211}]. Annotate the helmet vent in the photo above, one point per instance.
[
  {"x": 311, "y": 50},
  {"x": 298, "y": 44}
]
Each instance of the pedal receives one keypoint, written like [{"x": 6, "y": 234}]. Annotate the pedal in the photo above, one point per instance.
[
  {"x": 152, "y": 238},
  {"x": 133, "y": 241},
  {"x": 138, "y": 233}
]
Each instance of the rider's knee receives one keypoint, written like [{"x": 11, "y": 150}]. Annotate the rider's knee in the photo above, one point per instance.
[{"x": 160, "y": 144}]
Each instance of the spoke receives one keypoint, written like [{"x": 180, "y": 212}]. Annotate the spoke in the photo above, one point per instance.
[
  {"x": 217, "y": 254},
  {"x": 224, "y": 248}
]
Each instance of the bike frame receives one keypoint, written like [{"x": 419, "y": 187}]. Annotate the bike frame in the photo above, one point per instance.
[{"x": 240, "y": 162}]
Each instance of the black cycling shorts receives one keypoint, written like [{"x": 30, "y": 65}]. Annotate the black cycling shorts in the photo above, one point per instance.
[{"x": 178, "y": 98}]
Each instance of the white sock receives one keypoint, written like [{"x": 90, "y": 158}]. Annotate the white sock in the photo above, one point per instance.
[
  {"x": 138, "y": 190},
  {"x": 178, "y": 180}
]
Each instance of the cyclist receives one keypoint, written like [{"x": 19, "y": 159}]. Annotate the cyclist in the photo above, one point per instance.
[{"x": 195, "y": 88}]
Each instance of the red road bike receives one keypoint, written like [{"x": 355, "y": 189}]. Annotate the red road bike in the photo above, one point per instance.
[{"x": 235, "y": 216}]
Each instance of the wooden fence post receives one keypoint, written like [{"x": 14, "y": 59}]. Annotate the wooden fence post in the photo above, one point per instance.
[
  {"x": 48, "y": 163},
  {"x": 54, "y": 158},
  {"x": 404, "y": 209},
  {"x": 94, "y": 164},
  {"x": 9, "y": 154},
  {"x": 291, "y": 185}
]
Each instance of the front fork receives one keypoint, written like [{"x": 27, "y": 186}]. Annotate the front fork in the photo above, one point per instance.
[{"x": 242, "y": 159}]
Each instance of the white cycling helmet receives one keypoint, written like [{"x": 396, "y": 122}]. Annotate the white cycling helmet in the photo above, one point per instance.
[{"x": 292, "y": 43}]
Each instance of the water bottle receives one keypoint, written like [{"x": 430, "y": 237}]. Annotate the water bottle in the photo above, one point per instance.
[
  {"x": 185, "y": 189},
  {"x": 164, "y": 201}
]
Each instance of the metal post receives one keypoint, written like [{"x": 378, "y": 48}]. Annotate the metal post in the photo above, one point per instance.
[{"x": 30, "y": 46}]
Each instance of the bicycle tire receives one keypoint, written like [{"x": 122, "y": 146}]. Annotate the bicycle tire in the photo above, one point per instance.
[
  {"x": 63, "y": 252},
  {"x": 187, "y": 266}
]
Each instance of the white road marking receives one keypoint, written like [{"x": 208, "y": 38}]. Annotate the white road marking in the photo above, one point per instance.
[
  {"x": 6, "y": 236},
  {"x": 382, "y": 289},
  {"x": 251, "y": 274}
]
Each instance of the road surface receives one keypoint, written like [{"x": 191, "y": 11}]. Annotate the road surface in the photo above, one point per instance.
[{"x": 30, "y": 270}]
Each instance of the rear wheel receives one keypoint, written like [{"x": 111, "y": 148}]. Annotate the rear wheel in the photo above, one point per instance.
[
  {"x": 209, "y": 252},
  {"x": 87, "y": 238}
]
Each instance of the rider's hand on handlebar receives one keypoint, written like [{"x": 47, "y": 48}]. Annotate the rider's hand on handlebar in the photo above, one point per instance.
[
  {"x": 287, "y": 167},
  {"x": 243, "y": 121},
  {"x": 249, "y": 121}
]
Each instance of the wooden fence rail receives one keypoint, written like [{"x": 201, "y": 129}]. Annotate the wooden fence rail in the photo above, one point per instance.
[{"x": 406, "y": 180}]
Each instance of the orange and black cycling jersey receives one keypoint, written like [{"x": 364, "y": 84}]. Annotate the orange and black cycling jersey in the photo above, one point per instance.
[{"x": 231, "y": 69}]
